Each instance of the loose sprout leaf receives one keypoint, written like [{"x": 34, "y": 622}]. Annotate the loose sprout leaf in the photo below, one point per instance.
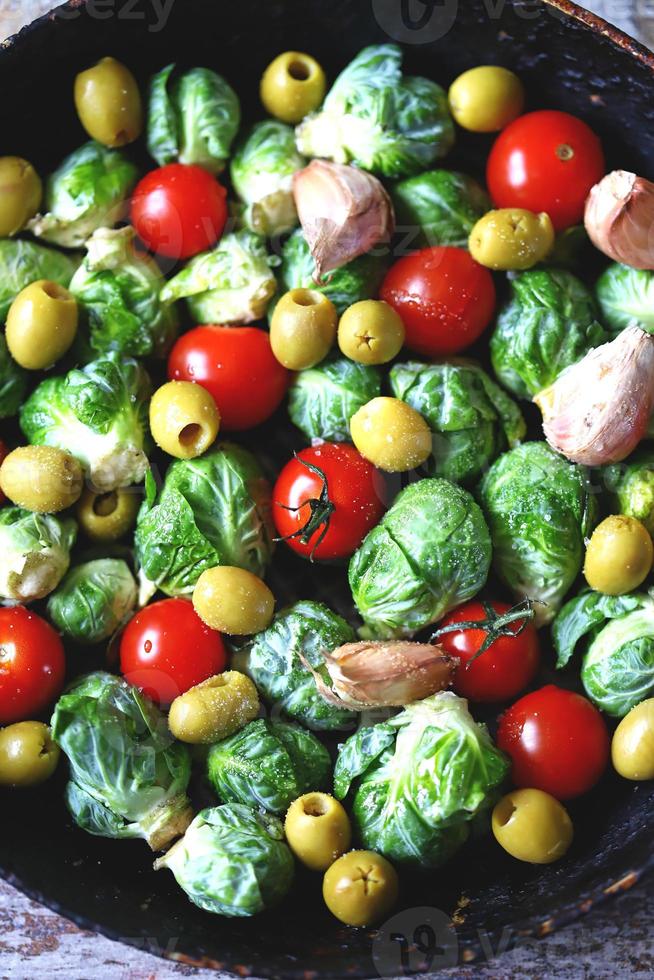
[
  {"x": 93, "y": 600},
  {"x": 440, "y": 207},
  {"x": 618, "y": 669},
  {"x": 626, "y": 298},
  {"x": 262, "y": 169},
  {"x": 96, "y": 818},
  {"x": 34, "y": 553},
  {"x": 22, "y": 263},
  {"x": 323, "y": 399}
]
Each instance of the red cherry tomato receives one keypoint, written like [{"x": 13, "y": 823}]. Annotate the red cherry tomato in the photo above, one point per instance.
[
  {"x": 504, "y": 669},
  {"x": 557, "y": 741},
  {"x": 3, "y": 453},
  {"x": 32, "y": 664},
  {"x": 179, "y": 210},
  {"x": 546, "y": 161},
  {"x": 445, "y": 298},
  {"x": 347, "y": 492},
  {"x": 167, "y": 649},
  {"x": 237, "y": 366}
]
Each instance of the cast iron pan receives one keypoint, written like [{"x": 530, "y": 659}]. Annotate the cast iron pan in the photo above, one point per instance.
[{"x": 568, "y": 59}]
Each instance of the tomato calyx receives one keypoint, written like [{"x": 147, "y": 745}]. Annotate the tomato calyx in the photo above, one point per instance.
[
  {"x": 321, "y": 509},
  {"x": 495, "y": 625}
]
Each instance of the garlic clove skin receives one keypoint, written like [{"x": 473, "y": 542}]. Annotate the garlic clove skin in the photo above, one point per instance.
[{"x": 619, "y": 218}]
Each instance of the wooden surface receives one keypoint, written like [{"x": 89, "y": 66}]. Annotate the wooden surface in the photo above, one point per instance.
[{"x": 613, "y": 941}]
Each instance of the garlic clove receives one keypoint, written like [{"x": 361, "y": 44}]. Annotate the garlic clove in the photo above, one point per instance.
[{"x": 619, "y": 218}]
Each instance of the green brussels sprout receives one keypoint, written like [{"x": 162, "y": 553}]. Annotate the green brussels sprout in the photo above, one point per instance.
[
  {"x": 22, "y": 263},
  {"x": 192, "y": 118},
  {"x": 379, "y": 119},
  {"x": 268, "y": 764},
  {"x": 233, "y": 283},
  {"x": 548, "y": 324},
  {"x": 128, "y": 777},
  {"x": 539, "y": 509},
  {"x": 429, "y": 553},
  {"x": 34, "y": 553},
  {"x": 442, "y": 206},
  {"x": 232, "y": 861},
  {"x": 217, "y": 507},
  {"x": 94, "y": 600},
  {"x": 419, "y": 780},
  {"x": 323, "y": 399},
  {"x": 472, "y": 418},
  {"x": 99, "y": 414},
  {"x": 631, "y": 487},
  {"x": 89, "y": 190},
  {"x": 262, "y": 171},
  {"x": 626, "y": 298},
  {"x": 13, "y": 382}
]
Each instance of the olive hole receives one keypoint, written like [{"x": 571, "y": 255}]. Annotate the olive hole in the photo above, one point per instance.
[
  {"x": 315, "y": 806},
  {"x": 191, "y": 435},
  {"x": 299, "y": 71},
  {"x": 105, "y": 504},
  {"x": 306, "y": 297},
  {"x": 504, "y": 812},
  {"x": 54, "y": 290}
]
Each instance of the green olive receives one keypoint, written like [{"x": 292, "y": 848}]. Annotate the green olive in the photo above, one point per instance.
[
  {"x": 233, "y": 601},
  {"x": 107, "y": 517},
  {"x": 486, "y": 99},
  {"x": 184, "y": 419},
  {"x": 391, "y": 435},
  {"x": 632, "y": 749},
  {"x": 360, "y": 888},
  {"x": 41, "y": 478},
  {"x": 21, "y": 191},
  {"x": 27, "y": 754},
  {"x": 532, "y": 826},
  {"x": 214, "y": 709},
  {"x": 511, "y": 238},
  {"x": 292, "y": 86},
  {"x": 619, "y": 555},
  {"x": 41, "y": 325},
  {"x": 371, "y": 332},
  {"x": 303, "y": 328},
  {"x": 108, "y": 103},
  {"x": 317, "y": 830}
]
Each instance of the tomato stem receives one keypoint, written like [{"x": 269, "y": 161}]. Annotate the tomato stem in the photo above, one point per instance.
[
  {"x": 320, "y": 512},
  {"x": 495, "y": 625}
]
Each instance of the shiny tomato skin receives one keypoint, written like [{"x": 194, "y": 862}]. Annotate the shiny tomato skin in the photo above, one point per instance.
[
  {"x": 546, "y": 161},
  {"x": 237, "y": 367},
  {"x": 557, "y": 741},
  {"x": 32, "y": 664},
  {"x": 502, "y": 671},
  {"x": 167, "y": 649},
  {"x": 445, "y": 299},
  {"x": 179, "y": 210},
  {"x": 355, "y": 488}
]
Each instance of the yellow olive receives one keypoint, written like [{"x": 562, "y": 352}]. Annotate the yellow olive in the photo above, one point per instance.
[
  {"x": 619, "y": 555},
  {"x": 106, "y": 517},
  {"x": 486, "y": 99},
  {"x": 41, "y": 325},
  {"x": 41, "y": 478},
  {"x": 511, "y": 238},
  {"x": 303, "y": 328},
  {"x": 233, "y": 600},
  {"x": 391, "y": 434},
  {"x": 20, "y": 194},
  {"x": 532, "y": 826},
  {"x": 108, "y": 103},
  {"x": 632, "y": 749},
  {"x": 27, "y": 754},
  {"x": 360, "y": 888},
  {"x": 292, "y": 86},
  {"x": 371, "y": 332},
  {"x": 184, "y": 419},
  {"x": 214, "y": 709},
  {"x": 317, "y": 830}
]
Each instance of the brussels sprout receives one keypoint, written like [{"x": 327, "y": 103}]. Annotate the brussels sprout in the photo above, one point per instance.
[
  {"x": 34, "y": 553},
  {"x": 268, "y": 764},
  {"x": 548, "y": 324},
  {"x": 323, "y": 399},
  {"x": 192, "y": 118},
  {"x": 231, "y": 284},
  {"x": 262, "y": 171},
  {"x": 419, "y": 779},
  {"x": 472, "y": 419},
  {"x": 631, "y": 486},
  {"x": 539, "y": 509},
  {"x": 128, "y": 775},
  {"x": 214, "y": 510},
  {"x": 626, "y": 297},
  {"x": 232, "y": 861},
  {"x": 119, "y": 288},
  {"x": 275, "y": 660},
  {"x": 22, "y": 263},
  {"x": 99, "y": 415},
  {"x": 13, "y": 382},
  {"x": 93, "y": 600},
  {"x": 89, "y": 191},
  {"x": 442, "y": 206},
  {"x": 379, "y": 119}
]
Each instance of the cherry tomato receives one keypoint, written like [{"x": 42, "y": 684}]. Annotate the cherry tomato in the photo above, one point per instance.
[
  {"x": 505, "y": 668},
  {"x": 445, "y": 299},
  {"x": 557, "y": 741},
  {"x": 237, "y": 366},
  {"x": 167, "y": 649},
  {"x": 338, "y": 494},
  {"x": 32, "y": 664},
  {"x": 3, "y": 452},
  {"x": 546, "y": 161},
  {"x": 179, "y": 210}
]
